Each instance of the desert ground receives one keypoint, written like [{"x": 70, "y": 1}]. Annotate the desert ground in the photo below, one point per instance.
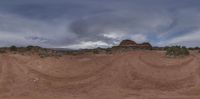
[{"x": 130, "y": 75}]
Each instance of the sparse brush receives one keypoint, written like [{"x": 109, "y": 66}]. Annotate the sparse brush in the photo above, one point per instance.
[
  {"x": 44, "y": 54},
  {"x": 2, "y": 51},
  {"x": 28, "y": 48},
  {"x": 175, "y": 51},
  {"x": 13, "y": 48},
  {"x": 95, "y": 51}
]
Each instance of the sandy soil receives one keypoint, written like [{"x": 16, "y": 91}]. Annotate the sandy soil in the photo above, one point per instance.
[{"x": 129, "y": 75}]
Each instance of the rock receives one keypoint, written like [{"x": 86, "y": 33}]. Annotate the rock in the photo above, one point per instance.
[
  {"x": 128, "y": 43},
  {"x": 145, "y": 45}
]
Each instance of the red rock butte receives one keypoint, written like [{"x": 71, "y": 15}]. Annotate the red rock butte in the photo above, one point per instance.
[
  {"x": 128, "y": 43},
  {"x": 133, "y": 45}
]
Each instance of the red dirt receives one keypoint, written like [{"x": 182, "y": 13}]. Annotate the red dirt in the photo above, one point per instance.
[{"x": 128, "y": 75}]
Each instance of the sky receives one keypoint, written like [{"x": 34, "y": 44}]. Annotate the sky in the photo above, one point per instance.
[{"x": 81, "y": 24}]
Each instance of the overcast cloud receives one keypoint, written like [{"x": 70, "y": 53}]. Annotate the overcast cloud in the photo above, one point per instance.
[{"x": 98, "y": 23}]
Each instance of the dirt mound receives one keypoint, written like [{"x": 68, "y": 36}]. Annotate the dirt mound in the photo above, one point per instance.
[{"x": 130, "y": 75}]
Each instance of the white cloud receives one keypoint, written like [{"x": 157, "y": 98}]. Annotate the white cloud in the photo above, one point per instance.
[
  {"x": 114, "y": 35},
  {"x": 138, "y": 38},
  {"x": 87, "y": 44},
  {"x": 185, "y": 38},
  {"x": 189, "y": 39},
  {"x": 26, "y": 23},
  {"x": 20, "y": 31}
]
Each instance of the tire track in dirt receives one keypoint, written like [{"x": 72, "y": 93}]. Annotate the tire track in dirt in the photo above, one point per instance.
[
  {"x": 164, "y": 66},
  {"x": 194, "y": 91},
  {"x": 49, "y": 81},
  {"x": 127, "y": 71},
  {"x": 198, "y": 57},
  {"x": 1, "y": 66},
  {"x": 141, "y": 75},
  {"x": 7, "y": 75}
]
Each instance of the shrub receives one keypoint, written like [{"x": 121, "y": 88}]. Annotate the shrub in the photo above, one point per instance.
[
  {"x": 13, "y": 48},
  {"x": 28, "y": 48},
  {"x": 95, "y": 51},
  {"x": 177, "y": 51},
  {"x": 44, "y": 54},
  {"x": 2, "y": 51},
  {"x": 194, "y": 48}
]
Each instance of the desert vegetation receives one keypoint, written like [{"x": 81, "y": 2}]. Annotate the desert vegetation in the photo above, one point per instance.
[
  {"x": 30, "y": 50},
  {"x": 2, "y": 51},
  {"x": 13, "y": 48},
  {"x": 176, "y": 51},
  {"x": 194, "y": 48}
]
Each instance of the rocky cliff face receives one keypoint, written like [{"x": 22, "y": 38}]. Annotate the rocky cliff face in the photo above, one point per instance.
[
  {"x": 131, "y": 45},
  {"x": 128, "y": 43}
]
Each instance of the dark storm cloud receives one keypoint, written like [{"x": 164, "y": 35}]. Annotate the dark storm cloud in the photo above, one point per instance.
[{"x": 92, "y": 23}]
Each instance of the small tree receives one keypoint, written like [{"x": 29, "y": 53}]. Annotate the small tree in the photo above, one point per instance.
[
  {"x": 28, "y": 48},
  {"x": 177, "y": 51},
  {"x": 13, "y": 48}
]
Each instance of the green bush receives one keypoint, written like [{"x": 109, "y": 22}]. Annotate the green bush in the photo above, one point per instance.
[
  {"x": 95, "y": 51},
  {"x": 44, "y": 54},
  {"x": 194, "y": 48},
  {"x": 28, "y": 48},
  {"x": 177, "y": 51},
  {"x": 13, "y": 48}
]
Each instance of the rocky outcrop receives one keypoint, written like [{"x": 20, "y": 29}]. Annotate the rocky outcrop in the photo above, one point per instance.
[
  {"x": 145, "y": 45},
  {"x": 131, "y": 45},
  {"x": 128, "y": 43}
]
